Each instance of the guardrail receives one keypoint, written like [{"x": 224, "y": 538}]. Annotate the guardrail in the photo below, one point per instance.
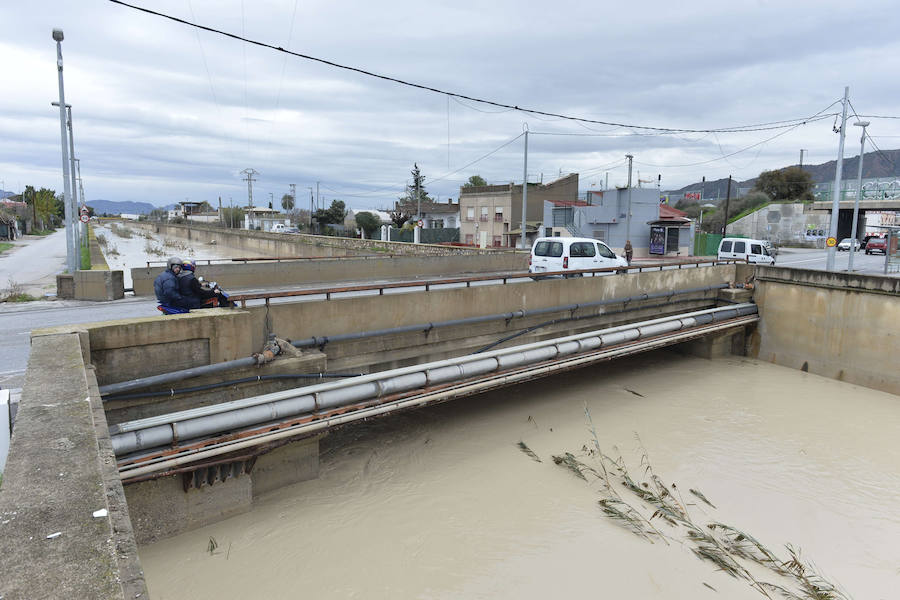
[
  {"x": 246, "y": 259},
  {"x": 503, "y": 278}
]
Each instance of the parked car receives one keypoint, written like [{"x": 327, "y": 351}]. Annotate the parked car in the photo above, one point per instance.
[
  {"x": 753, "y": 251},
  {"x": 846, "y": 243},
  {"x": 550, "y": 254},
  {"x": 282, "y": 228},
  {"x": 876, "y": 244}
]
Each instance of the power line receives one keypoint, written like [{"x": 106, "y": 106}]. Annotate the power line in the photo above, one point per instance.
[
  {"x": 817, "y": 117},
  {"x": 241, "y": 38}
]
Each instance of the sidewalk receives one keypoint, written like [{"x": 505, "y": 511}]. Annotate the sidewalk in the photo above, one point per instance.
[{"x": 33, "y": 263}]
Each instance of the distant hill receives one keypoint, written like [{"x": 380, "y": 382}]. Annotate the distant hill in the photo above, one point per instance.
[
  {"x": 112, "y": 207},
  {"x": 875, "y": 164},
  {"x": 4, "y": 194}
]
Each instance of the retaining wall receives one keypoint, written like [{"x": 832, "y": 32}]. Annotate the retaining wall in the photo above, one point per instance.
[
  {"x": 258, "y": 274},
  {"x": 60, "y": 470},
  {"x": 839, "y": 325},
  {"x": 293, "y": 245}
]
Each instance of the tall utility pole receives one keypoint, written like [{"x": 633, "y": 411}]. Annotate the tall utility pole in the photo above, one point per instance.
[
  {"x": 628, "y": 213},
  {"x": 802, "y": 150},
  {"x": 310, "y": 208},
  {"x": 250, "y": 173},
  {"x": 522, "y": 239},
  {"x": 836, "y": 193},
  {"x": 75, "y": 212},
  {"x": 727, "y": 202},
  {"x": 72, "y": 253},
  {"x": 859, "y": 191},
  {"x": 318, "y": 200}
]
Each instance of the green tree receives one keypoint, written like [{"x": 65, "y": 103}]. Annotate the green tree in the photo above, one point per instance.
[
  {"x": 409, "y": 197},
  {"x": 287, "y": 202},
  {"x": 233, "y": 216},
  {"x": 332, "y": 215},
  {"x": 475, "y": 181},
  {"x": 790, "y": 184},
  {"x": 367, "y": 222}
]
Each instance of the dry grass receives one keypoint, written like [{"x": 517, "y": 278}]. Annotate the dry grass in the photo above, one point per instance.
[{"x": 636, "y": 503}]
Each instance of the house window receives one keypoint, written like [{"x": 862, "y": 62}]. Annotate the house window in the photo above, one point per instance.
[
  {"x": 498, "y": 214},
  {"x": 436, "y": 224},
  {"x": 563, "y": 216},
  {"x": 484, "y": 213},
  {"x": 497, "y": 241},
  {"x": 470, "y": 213},
  {"x": 470, "y": 238}
]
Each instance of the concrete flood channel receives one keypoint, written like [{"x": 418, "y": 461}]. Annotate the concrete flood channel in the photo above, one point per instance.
[{"x": 787, "y": 431}]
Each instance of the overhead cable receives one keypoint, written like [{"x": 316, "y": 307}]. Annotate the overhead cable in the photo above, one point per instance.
[{"x": 735, "y": 129}]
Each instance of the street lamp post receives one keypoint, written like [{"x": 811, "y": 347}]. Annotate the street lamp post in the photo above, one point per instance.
[
  {"x": 72, "y": 252},
  {"x": 862, "y": 149},
  {"x": 76, "y": 229}
]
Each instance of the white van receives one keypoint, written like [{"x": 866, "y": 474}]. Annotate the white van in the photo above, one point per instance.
[
  {"x": 753, "y": 251},
  {"x": 571, "y": 254}
]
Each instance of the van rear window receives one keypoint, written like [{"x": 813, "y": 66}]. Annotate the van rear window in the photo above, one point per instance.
[
  {"x": 548, "y": 248},
  {"x": 726, "y": 246}
]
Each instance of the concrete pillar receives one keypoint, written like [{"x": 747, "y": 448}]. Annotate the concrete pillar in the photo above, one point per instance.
[{"x": 417, "y": 235}]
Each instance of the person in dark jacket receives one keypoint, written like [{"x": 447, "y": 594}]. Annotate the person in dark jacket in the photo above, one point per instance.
[
  {"x": 195, "y": 295},
  {"x": 166, "y": 285},
  {"x": 629, "y": 251}
]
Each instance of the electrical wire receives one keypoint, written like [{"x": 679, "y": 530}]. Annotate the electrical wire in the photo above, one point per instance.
[
  {"x": 245, "y": 40},
  {"x": 750, "y": 147},
  {"x": 874, "y": 145}
]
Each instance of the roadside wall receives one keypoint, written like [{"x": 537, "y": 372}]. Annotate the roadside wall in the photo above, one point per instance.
[
  {"x": 296, "y": 272},
  {"x": 61, "y": 469},
  {"x": 838, "y": 325},
  {"x": 294, "y": 245}
]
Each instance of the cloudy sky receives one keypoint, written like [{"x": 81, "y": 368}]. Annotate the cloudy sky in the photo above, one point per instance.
[{"x": 165, "y": 112}]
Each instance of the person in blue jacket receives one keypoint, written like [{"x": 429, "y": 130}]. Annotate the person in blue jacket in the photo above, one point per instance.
[{"x": 166, "y": 285}]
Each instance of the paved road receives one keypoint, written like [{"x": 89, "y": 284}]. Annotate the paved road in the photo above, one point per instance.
[
  {"x": 804, "y": 258},
  {"x": 34, "y": 262}
]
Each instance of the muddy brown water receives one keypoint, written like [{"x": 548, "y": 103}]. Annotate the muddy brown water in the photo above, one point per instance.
[{"x": 441, "y": 503}]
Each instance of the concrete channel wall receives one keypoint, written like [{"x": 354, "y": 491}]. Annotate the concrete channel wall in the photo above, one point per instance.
[
  {"x": 839, "y": 325},
  {"x": 293, "y": 245},
  {"x": 65, "y": 529},
  {"x": 296, "y": 272}
]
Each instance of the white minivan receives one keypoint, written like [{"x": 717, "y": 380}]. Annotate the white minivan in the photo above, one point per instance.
[
  {"x": 753, "y": 251},
  {"x": 571, "y": 254}
]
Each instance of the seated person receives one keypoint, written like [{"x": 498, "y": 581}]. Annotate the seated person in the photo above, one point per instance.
[{"x": 168, "y": 291}]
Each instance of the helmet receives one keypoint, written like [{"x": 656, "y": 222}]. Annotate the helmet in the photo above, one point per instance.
[
  {"x": 172, "y": 262},
  {"x": 189, "y": 265}
]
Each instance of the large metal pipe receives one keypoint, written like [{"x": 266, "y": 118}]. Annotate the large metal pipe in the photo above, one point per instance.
[
  {"x": 317, "y": 341},
  {"x": 163, "y": 430},
  {"x": 162, "y": 464}
]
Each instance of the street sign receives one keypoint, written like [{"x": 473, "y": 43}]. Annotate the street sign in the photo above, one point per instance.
[
  {"x": 420, "y": 223},
  {"x": 85, "y": 217},
  {"x": 831, "y": 242}
]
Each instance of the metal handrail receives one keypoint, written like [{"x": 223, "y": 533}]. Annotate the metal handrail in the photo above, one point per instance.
[{"x": 504, "y": 278}]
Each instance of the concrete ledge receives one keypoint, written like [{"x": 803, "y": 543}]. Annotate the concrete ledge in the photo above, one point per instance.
[
  {"x": 60, "y": 470},
  {"x": 98, "y": 285},
  {"x": 130, "y": 348}
]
